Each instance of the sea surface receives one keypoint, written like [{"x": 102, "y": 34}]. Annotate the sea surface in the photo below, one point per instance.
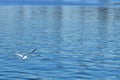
[{"x": 73, "y": 43}]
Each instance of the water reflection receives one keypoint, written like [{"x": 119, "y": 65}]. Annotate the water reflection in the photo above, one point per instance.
[
  {"x": 104, "y": 1},
  {"x": 80, "y": 43},
  {"x": 103, "y": 15}
]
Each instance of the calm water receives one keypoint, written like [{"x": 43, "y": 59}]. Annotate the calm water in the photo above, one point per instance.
[{"x": 74, "y": 43}]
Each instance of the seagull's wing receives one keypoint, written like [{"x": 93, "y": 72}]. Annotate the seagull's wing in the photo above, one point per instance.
[
  {"x": 33, "y": 50},
  {"x": 19, "y": 55}
]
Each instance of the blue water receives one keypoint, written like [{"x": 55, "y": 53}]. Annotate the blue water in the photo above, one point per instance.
[
  {"x": 73, "y": 43},
  {"x": 60, "y": 2}
]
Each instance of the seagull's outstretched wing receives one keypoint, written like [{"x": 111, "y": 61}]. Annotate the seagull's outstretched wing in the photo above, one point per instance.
[
  {"x": 19, "y": 54},
  {"x": 33, "y": 50}
]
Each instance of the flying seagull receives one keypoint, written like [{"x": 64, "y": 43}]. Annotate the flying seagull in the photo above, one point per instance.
[{"x": 25, "y": 56}]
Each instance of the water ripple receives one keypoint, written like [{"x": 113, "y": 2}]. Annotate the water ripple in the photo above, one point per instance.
[{"x": 74, "y": 43}]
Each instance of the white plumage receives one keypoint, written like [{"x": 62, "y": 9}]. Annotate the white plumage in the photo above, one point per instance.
[{"x": 21, "y": 55}]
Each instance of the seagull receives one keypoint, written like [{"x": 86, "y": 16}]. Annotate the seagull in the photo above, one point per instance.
[{"x": 24, "y": 56}]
